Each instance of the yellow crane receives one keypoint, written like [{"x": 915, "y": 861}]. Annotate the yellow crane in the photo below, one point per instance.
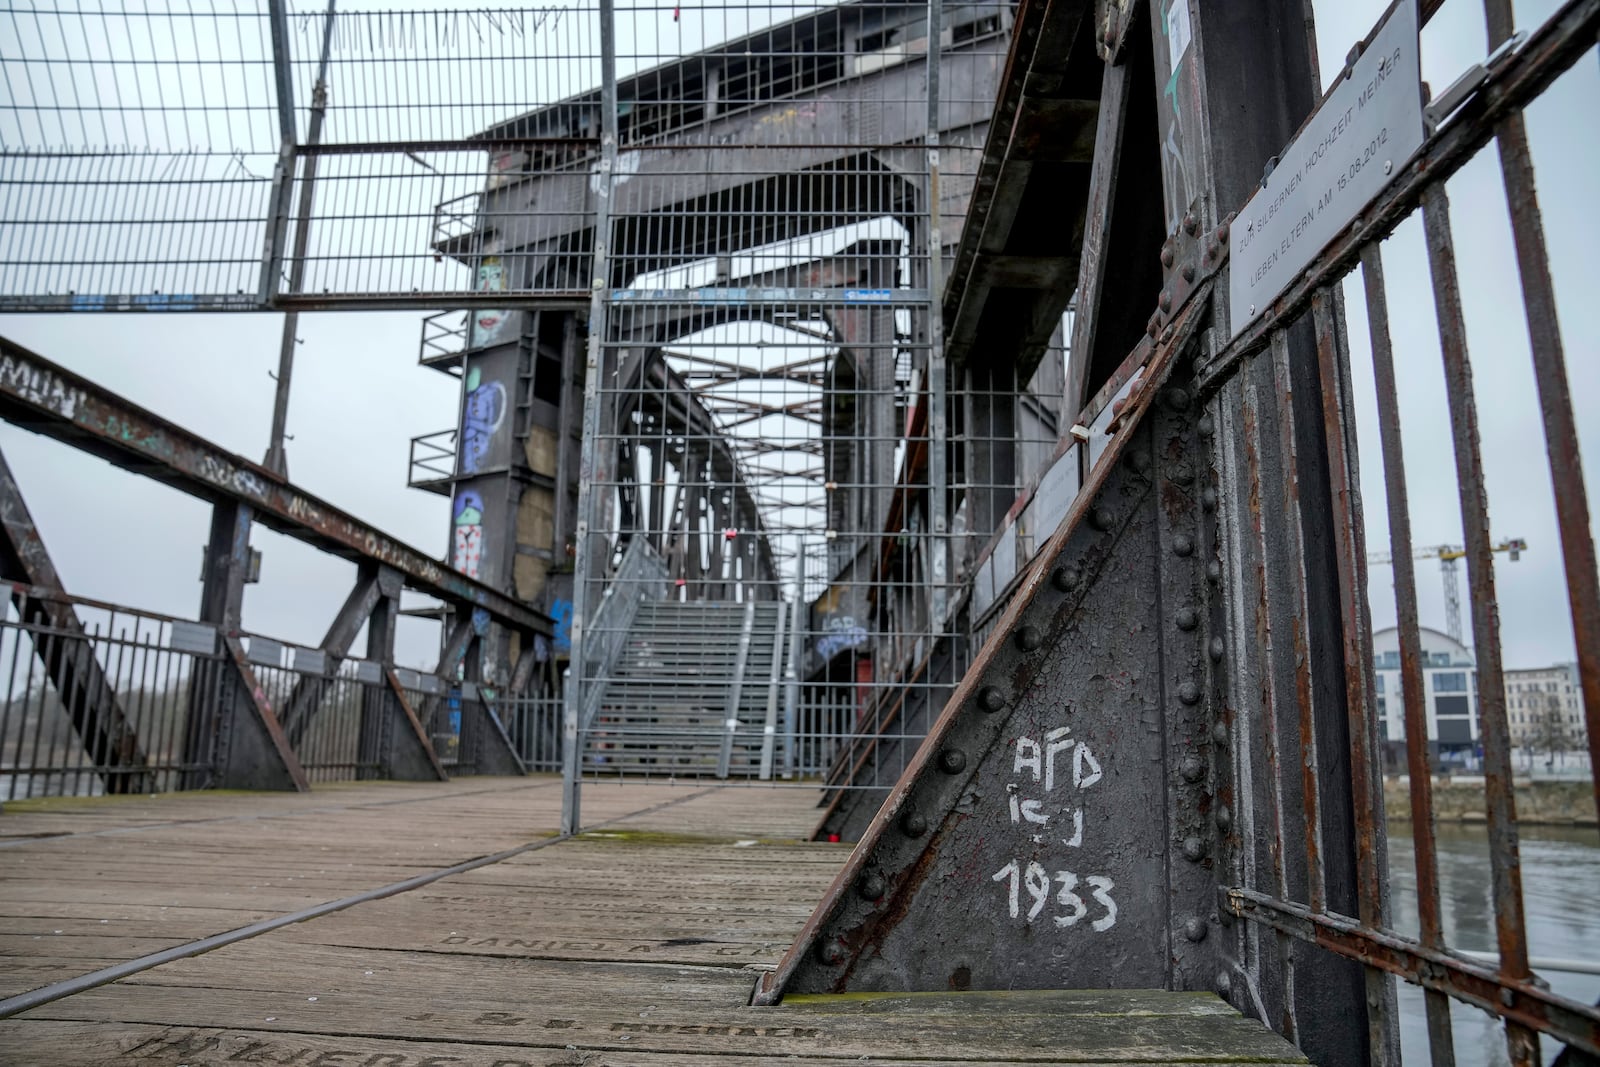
[{"x": 1449, "y": 556}]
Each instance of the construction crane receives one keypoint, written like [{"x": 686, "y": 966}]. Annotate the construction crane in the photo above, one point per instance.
[{"x": 1449, "y": 557}]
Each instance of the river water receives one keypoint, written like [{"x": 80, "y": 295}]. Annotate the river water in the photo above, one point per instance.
[{"x": 1561, "y": 894}]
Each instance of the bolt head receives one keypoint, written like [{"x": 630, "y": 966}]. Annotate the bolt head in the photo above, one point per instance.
[
  {"x": 952, "y": 761},
  {"x": 913, "y": 824},
  {"x": 1138, "y": 460},
  {"x": 1219, "y": 733},
  {"x": 1029, "y": 638},
  {"x": 1191, "y": 768},
  {"x": 991, "y": 699},
  {"x": 1189, "y": 693},
  {"x": 1187, "y": 272},
  {"x": 1223, "y": 817},
  {"x": 871, "y": 886},
  {"x": 1165, "y": 300},
  {"x": 1208, "y": 499},
  {"x": 1194, "y": 928},
  {"x": 1194, "y": 849},
  {"x": 1177, "y": 399},
  {"x": 1102, "y": 518},
  {"x": 1183, "y": 545},
  {"x": 1218, "y": 647},
  {"x": 1066, "y": 578},
  {"x": 1191, "y": 225},
  {"x": 1214, "y": 570},
  {"x": 1167, "y": 255},
  {"x": 1205, "y": 426},
  {"x": 1224, "y": 983},
  {"x": 830, "y": 952}
]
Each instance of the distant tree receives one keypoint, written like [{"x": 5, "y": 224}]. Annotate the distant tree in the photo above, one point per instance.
[{"x": 1550, "y": 734}]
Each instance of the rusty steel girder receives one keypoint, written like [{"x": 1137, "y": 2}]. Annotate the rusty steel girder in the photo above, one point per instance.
[{"x": 48, "y": 399}]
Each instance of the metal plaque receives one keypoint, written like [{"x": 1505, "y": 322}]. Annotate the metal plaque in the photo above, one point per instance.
[
  {"x": 265, "y": 652},
  {"x": 310, "y": 661},
  {"x": 369, "y": 672},
  {"x": 1366, "y": 130},
  {"x": 196, "y": 637}
]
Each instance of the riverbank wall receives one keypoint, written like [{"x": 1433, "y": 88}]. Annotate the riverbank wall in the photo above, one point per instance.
[{"x": 1459, "y": 798}]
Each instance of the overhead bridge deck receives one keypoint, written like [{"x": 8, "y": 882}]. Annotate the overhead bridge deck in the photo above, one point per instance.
[{"x": 450, "y": 924}]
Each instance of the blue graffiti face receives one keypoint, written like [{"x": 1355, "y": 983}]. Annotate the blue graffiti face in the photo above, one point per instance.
[{"x": 485, "y": 410}]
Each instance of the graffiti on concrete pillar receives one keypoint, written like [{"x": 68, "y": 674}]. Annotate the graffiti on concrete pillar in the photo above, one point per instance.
[
  {"x": 467, "y": 547},
  {"x": 481, "y": 417},
  {"x": 491, "y": 325}
]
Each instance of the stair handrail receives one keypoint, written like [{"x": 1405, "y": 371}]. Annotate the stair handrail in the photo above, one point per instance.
[{"x": 642, "y": 575}]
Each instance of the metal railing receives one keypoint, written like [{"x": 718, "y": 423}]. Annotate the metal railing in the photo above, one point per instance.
[
  {"x": 1250, "y": 385},
  {"x": 102, "y": 706},
  {"x": 444, "y": 340},
  {"x": 432, "y": 464},
  {"x": 97, "y": 698}
]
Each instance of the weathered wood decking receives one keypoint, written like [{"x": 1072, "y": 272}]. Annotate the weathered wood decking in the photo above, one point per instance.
[{"x": 636, "y": 943}]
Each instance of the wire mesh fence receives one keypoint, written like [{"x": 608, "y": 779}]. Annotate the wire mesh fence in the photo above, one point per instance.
[{"x": 243, "y": 155}]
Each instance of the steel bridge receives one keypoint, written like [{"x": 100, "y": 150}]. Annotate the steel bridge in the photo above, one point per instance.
[{"x": 905, "y": 536}]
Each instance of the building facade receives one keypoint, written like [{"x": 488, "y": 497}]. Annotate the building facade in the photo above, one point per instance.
[
  {"x": 1545, "y": 706},
  {"x": 1450, "y": 694}
]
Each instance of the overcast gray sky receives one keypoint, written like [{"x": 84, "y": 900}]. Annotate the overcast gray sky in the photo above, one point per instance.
[{"x": 359, "y": 397}]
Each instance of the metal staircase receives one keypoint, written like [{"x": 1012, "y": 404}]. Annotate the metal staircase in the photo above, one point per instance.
[{"x": 697, "y": 689}]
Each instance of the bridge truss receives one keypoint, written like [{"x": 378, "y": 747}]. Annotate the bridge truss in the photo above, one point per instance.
[{"x": 862, "y": 452}]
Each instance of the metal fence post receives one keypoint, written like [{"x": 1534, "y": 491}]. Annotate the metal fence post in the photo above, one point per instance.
[
  {"x": 276, "y": 460},
  {"x": 283, "y": 174},
  {"x": 938, "y": 475},
  {"x": 583, "y": 561}
]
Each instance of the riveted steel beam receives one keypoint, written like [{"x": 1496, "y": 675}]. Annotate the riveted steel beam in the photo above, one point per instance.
[{"x": 1044, "y": 784}]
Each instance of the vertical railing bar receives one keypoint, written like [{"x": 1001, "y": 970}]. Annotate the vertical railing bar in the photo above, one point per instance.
[
  {"x": 1294, "y": 565},
  {"x": 1361, "y": 702},
  {"x": 277, "y": 221},
  {"x": 938, "y": 400},
  {"x": 1441, "y": 1044},
  {"x": 1522, "y": 1044},
  {"x": 1555, "y": 397},
  {"x": 44, "y": 689},
  {"x": 82, "y": 746},
  {"x": 583, "y": 562},
  {"x": 1250, "y": 411},
  {"x": 10, "y": 642}
]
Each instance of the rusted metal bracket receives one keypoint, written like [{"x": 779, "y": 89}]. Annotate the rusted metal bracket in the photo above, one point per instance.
[
  {"x": 492, "y": 750},
  {"x": 411, "y": 755},
  {"x": 1523, "y": 1002},
  {"x": 252, "y": 751}
]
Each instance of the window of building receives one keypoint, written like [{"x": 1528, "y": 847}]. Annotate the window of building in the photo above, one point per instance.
[
  {"x": 1450, "y": 682},
  {"x": 1380, "y": 679}
]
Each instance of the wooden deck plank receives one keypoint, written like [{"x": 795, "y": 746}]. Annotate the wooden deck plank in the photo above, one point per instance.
[
  {"x": 71, "y": 1044},
  {"x": 636, "y": 945},
  {"x": 209, "y": 863}
]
